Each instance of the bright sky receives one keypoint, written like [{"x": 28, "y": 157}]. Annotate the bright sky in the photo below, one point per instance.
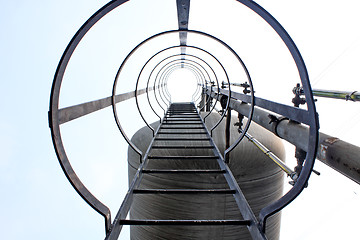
[{"x": 38, "y": 202}]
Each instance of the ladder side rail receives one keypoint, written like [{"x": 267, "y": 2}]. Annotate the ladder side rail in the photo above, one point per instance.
[
  {"x": 116, "y": 227},
  {"x": 244, "y": 207}
]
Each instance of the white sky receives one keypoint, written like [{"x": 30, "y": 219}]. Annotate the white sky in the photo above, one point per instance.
[{"x": 37, "y": 202}]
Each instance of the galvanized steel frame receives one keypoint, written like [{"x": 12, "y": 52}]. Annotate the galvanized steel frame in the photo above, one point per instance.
[
  {"x": 310, "y": 115},
  {"x": 132, "y": 145},
  {"x": 192, "y": 47}
]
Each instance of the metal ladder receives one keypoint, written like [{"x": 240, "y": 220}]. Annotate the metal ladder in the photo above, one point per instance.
[{"x": 182, "y": 123}]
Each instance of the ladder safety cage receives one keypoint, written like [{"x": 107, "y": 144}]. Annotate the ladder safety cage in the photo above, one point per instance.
[{"x": 182, "y": 122}]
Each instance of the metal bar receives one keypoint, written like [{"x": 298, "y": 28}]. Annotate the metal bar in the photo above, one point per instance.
[
  {"x": 243, "y": 205},
  {"x": 126, "y": 204},
  {"x": 158, "y": 65},
  {"x": 270, "y": 154},
  {"x": 183, "y": 147},
  {"x": 124, "y": 63},
  {"x": 184, "y": 157},
  {"x": 188, "y": 64},
  {"x": 148, "y": 97},
  {"x": 190, "y": 171},
  {"x": 182, "y": 123},
  {"x": 227, "y": 133},
  {"x": 182, "y": 117},
  {"x": 182, "y": 139},
  {"x": 181, "y": 59},
  {"x": 176, "y": 113},
  {"x": 183, "y": 128},
  {"x": 313, "y": 120},
  {"x": 233, "y": 84},
  {"x": 174, "y": 63},
  {"x": 190, "y": 113},
  {"x": 54, "y": 113},
  {"x": 183, "y": 9},
  {"x": 337, "y": 154},
  {"x": 70, "y": 113},
  {"x": 296, "y": 114},
  {"x": 182, "y": 133},
  {"x": 344, "y": 95},
  {"x": 185, "y": 222},
  {"x": 181, "y": 120},
  {"x": 353, "y": 96},
  {"x": 184, "y": 191}
]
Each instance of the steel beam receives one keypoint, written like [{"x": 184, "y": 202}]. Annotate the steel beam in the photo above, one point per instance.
[
  {"x": 296, "y": 114},
  {"x": 183, "y": 9},
  {"x": 70, "y": 113},
  {"x": 337, "y": 154}
]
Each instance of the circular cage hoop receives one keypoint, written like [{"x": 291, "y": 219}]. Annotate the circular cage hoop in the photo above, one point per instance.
[
  {"x": 172, "y": 47},
  {"x": 188, "y": 67},
  {"x": 247, "y": 125},
  {"x": 182, "y": 61},
  {"x": 176, "y": 64},
  {"x": 312, "y": 115},
  {"x": 100, "y": 207}
]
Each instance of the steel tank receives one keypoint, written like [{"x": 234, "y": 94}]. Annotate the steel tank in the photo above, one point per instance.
[{"x": 259, "y": 178}]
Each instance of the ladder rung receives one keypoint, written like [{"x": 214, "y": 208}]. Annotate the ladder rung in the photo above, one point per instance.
[
  {"x": 185, "y": 171},
  {"x": 181, "y": 139},
  {"x": 182, "y": 147},
  {"x": 184, "y": 222},
  {"x": 183, "y": 157},
  {"x": 181, "y": 114},
  {"x": 182, "y": 119},
  {"x": 191, "y": 113},
  {"x": 191, "y": 116},
  {"x": 182, "y": 128},
  {"x": 184, "y": 191},
  {"x": 181, "y": 123},
  {"x": 182, "y": 133}
]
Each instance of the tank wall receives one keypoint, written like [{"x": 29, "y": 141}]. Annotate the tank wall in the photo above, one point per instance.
[{"x": 259, "y": 178}]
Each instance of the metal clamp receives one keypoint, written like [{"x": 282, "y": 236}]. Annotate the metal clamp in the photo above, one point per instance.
[{"x": 274, "y": 119}]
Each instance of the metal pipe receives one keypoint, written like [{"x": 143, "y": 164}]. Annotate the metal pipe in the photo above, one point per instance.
[
  {"x": 271, "y": 155},
  {"x": 353, "y": 96},
  {"x": 345, "y": 95},
  {"x": 337, "y": 154},
  {"x": 227, "y": 133}
]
